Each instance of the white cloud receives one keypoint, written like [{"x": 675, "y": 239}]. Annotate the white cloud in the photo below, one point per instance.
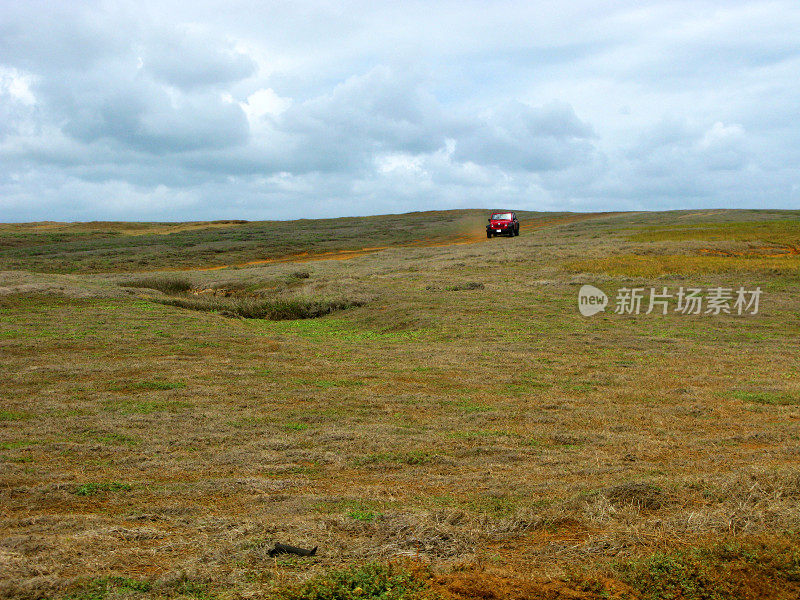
[
  {"x": 264, "y": 102},
  {"x": 721, "y": 135},
  {"x": 16, "y": 85}
]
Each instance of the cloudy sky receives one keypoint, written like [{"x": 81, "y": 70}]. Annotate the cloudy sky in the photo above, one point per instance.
[{"x": 178, "y": 110}]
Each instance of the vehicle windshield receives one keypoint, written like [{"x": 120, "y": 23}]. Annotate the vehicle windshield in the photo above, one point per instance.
[{"x": 500, "y": 216}]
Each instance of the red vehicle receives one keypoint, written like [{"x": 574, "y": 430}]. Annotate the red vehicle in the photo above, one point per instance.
[{"x": 502, "y": 223}]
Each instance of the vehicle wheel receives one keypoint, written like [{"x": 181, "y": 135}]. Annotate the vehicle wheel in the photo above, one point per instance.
[
  {"x": 488, "y": 235},
  {"x": 516, "y": 231}
]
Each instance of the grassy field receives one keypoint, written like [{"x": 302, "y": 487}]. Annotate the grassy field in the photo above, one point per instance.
[{"x": 432, "y": 412}]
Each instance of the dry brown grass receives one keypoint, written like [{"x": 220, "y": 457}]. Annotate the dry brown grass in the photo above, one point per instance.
[{"x": 490, "y": 430}]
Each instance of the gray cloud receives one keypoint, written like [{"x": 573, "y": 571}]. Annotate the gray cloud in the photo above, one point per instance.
[
  {"x": 186, "y": 58},
  {"x": 381, "y": 108},
  {"x": 518, "y": 136},
  {"x": 146, "y": 118}
]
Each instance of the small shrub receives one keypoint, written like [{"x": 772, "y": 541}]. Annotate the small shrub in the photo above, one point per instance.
[
  {"x": 294, "y": 308},
  {"x": 642, "y": 495},
  {"x": 367, "y": 582},
  {"x": 212, "y": 304},
  {"x": 673, "y": 576},
  {"x": 299, "y": 275},
  {"x": 470, "y": 285},
  {"x": 168, "y": 285}
]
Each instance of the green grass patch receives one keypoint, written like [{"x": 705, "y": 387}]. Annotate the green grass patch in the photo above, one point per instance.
[
  {"x": 366, "y": 582},
  {"x": 725, "y": 572},
  {"x": 99, "y": 589},
  {"x": 158, "y": 384},
  {"x": 363, "y": 514},
  {"x": 337, "y": 383},
  {"x": 18, "y": 444},
  {"x": 10, "y": 415},
  {"x": 143, "y": 407},
  {"x": 329, "y": 383},
  {"x": 194, "y": 589},
  {"x": 295, "y": 426},
  {"x": 772, "y": 398},
  {"x": 21, "y": 459},
  {"x": 333, "y": 328},
  {"x": 634, "y": 265},
  {"x": 92, "y": 489},
  {"x": 778, "y": 231}
]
